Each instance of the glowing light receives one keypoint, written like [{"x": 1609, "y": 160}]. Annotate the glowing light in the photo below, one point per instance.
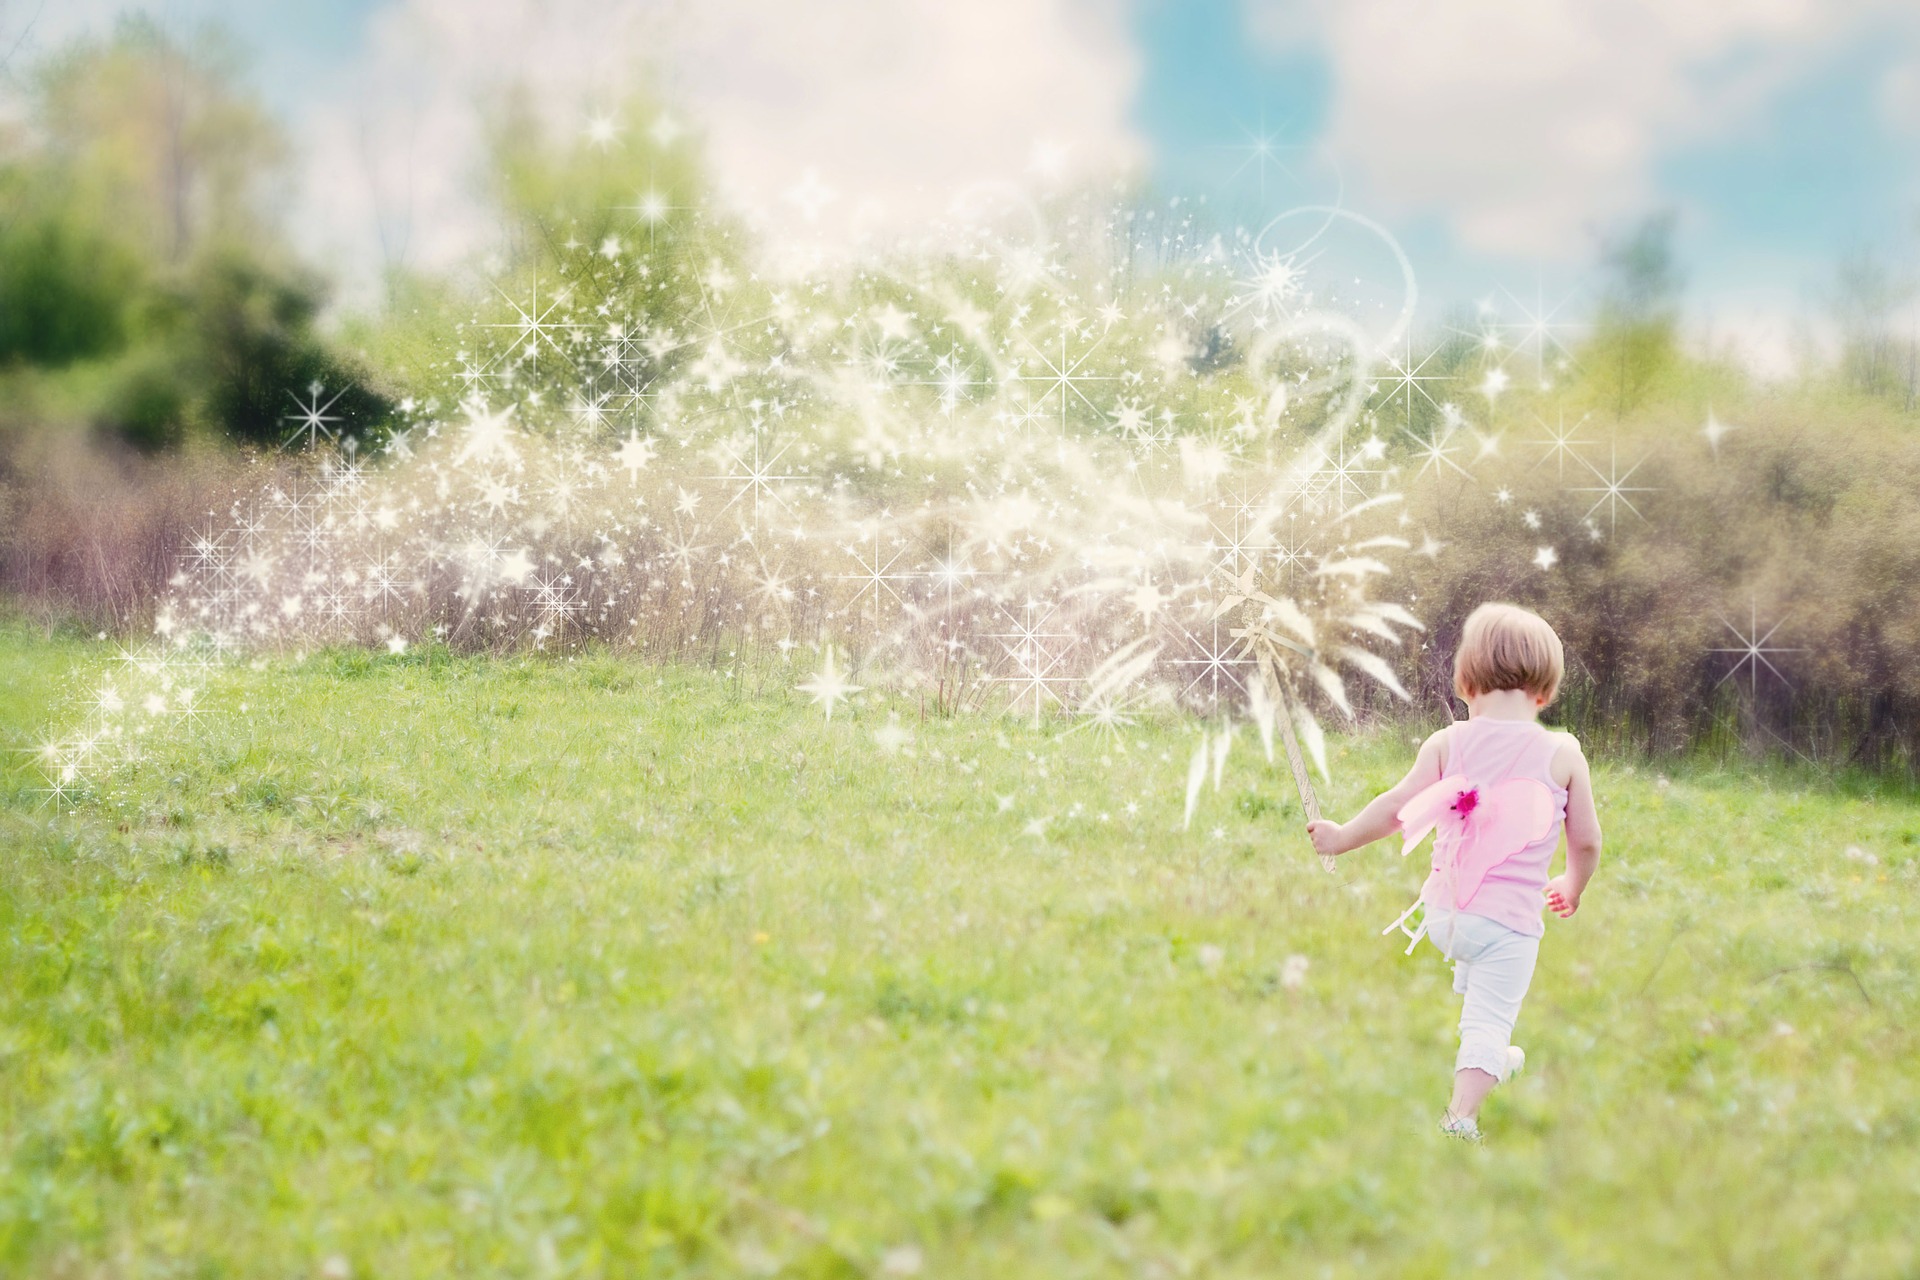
[{"x": 830, "y": 686}]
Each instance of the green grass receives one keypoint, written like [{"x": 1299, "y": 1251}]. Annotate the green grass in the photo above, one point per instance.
[{"x": 433, "y": 966}]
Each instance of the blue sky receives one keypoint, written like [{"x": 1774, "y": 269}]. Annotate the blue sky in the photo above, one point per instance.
[
  {"x": 1207, "y": 93},
  {"x": 1499, "y": 139},
  {"x": 1766, "y": 201}
]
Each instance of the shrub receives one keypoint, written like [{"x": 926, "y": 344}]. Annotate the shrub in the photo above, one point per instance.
[
  {"x": 63, "y": 292},
  {"x": 1798, "y": 531},
  {"x": 146, "y": 407},
  {"x": 256, "y": 352}
]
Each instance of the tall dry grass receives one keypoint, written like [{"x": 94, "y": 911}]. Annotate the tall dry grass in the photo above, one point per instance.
[
  {"x": 1801, "y": 531},
  {"x": 91, "y": 531}
]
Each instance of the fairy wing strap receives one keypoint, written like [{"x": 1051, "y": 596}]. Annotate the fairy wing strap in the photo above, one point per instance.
[{"x": 1480, "y": 827}]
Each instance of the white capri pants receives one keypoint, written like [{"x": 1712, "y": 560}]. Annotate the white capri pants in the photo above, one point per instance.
[{"x": 1492, "y": 966}]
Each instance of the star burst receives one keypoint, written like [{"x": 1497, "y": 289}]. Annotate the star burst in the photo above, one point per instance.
[
  {"x": 1755, "y": 650},
  {"x": 1613, "y": 489},
  {"x": 1406, "y": 380},
  {"x": 1023, "y": 464},
  {"x": 312, "y": 422},
  {"x": 1540, "y": 330}
]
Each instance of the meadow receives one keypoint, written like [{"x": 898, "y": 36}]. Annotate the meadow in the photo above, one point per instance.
[{"x": 440, "y": 965}]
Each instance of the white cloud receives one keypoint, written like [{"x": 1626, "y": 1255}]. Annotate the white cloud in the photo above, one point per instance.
[
  {"x": 1773, "y": 333},
  {"x": 1524, "y": 123},
  {"x": 891, "y": 105}
]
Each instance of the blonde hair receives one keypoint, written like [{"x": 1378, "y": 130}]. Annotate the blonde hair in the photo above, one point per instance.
[{"x": 1504, "y": 646}]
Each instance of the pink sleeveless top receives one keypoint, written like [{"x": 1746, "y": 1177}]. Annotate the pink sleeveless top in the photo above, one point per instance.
[{"x": 1482, "y": 752}]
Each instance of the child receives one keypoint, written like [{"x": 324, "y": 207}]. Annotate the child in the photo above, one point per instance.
[{"x": 1499, "y": 786}]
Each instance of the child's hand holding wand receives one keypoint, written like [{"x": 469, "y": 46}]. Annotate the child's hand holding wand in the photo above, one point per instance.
[
  {"x": 1329, "y": 839},
  {"x": 1381, "y": 817}
]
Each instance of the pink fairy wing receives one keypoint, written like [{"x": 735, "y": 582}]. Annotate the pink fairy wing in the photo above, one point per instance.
[
  {"x": 1421, "y": 814},
  {"x": 1510, "y": 816}
]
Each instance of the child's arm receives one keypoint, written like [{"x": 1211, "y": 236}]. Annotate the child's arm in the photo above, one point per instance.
[
  {"x": 1382, "y": 816},
  {"x": 1583, "y": 832}
]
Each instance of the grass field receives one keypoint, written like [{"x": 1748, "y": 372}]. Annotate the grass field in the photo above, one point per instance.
[{"x": 433, "y": 966}]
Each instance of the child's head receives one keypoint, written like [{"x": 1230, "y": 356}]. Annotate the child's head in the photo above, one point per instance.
[{"x": 1506, "y": 647}]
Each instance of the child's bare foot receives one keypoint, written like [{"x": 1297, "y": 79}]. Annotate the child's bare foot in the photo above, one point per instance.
[{"x": 1465, "y": 1128}]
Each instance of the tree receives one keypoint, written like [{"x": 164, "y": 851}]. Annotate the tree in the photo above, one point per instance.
[
  {"x": 255, "y": 358},
  {"x": 63, "y": 287},
  {"x": 141, "y": 259},
  {"x": 159, "y": 132},
  {"x": 1637, "y": 325},
  {"x": 1865, "y": 296}
]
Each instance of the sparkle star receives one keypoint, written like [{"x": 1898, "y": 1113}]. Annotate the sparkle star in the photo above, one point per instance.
[
  {"x": 535, "y": 327},
  {"x": 634, "y": 454},
  {"x": 602, "y": 131},
  {"x": 313, "y": 421},
  {"x": 1715, "y": 431},
  {"x": 1561, "y": 443},
  {"x": 758, "y": 478},
  {"x": 1407, "y": 381},
  {"x": 1755, "y": 649},
  {"x": 1261, "y": 149},
  {"x": 1614, "y": 490},
  {"x": 1064, "y": 377},
  {"x": 829, "y": 686},
  {"x": 1541, "y": 330}
]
